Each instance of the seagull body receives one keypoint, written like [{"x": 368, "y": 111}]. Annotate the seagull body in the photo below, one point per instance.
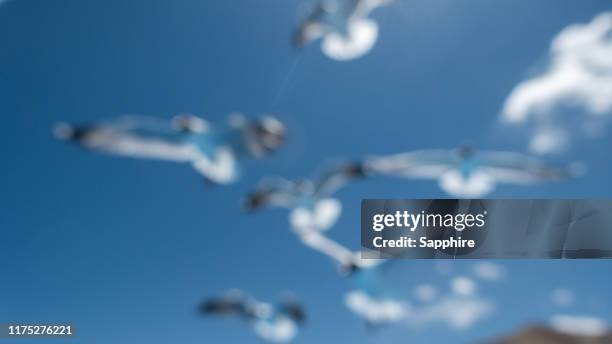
[
  {"x": 187, "y": 139},
  {"x": 466, "y": 173},
  {"x": 310, "y": 203},
  {"x": 272, "y": 323},
  {"x": 343, "y": 25}
]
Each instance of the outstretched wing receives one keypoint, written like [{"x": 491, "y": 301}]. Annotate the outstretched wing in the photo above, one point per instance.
[
  {"x": 337, "y": 177},
  {"x": 363, "y": 8},
  {"x": 428, "y": 164},
  {"x": 220, "y": 168},
  {"x": 519, "y": 168},
  {"x": 233, "y": 304},
  {"x": 349, "y": 261},
  {"x": 294, "y": 310},
  {"x": 319, "y": 242},
  {"x": 276, "y": 192},
  {"x": 118, "y": 140},
  {"x": 312, "y": 27}
]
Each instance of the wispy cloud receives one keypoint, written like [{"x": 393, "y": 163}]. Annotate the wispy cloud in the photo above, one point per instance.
[
  {"x": 459, "y": 309},
  {"x": 456, "y": 311},
  {"x": 578, "y": 80},
  {"x": 463, "y": 286},
  {"x": 425, "y": 292},
  {"x": 488, "y": 271},
  {"x": 562, "y": 297},
  {"x": 375, "y": 310},
  {"x": 579, "y": 325}
]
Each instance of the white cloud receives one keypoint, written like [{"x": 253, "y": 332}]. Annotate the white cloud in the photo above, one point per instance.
[
  {"x": 562, "y": 297},
  {"x": 443, "y": 267},
  {"x": 579, "y": 325},
  {"x": 488, "y": 271},
  {"x": 579, "y": 76},
  {"x": 425, "y": 292},
  {"x": 457, "y": 312},
  {"x": 375, "y": 310},
  {"x": 463, "y": 286}
]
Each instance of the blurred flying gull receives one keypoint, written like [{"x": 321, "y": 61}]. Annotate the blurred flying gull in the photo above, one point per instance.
[
  {"x": 368, "y": 300},
  {"x": 343, "y": 25},
  {"x": 468, "y": 173},
  {"x": 212, "y": 152},
  {"x": 273, "y": 323},
  {"x": 310, "y": 201},
  {"x": 312, "y": 213}
]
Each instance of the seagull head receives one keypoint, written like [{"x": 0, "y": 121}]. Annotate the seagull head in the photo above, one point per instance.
[
  {"x": 254, "y": 201},
  {"x": 466, "y": 151},
  {"x": 349, "y": 269},
  {"x": 189, "y": 124},
  {"x": 292, "y": 309},
  {"x": 268, "y": 133}
]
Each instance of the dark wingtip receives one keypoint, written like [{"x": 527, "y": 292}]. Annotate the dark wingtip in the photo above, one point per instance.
[
  {"x": 297, "y": 40},
  {"x": 253, "y": 202},
  {"x": 294, "y": 310},
  {"x": 349, "y": 269},
  {"x": 68, "y": 132},
  {"x": 204, "y": 308},
  {"x": 356, "y": 169}
]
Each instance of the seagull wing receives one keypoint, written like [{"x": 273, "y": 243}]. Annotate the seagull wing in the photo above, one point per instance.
[
  {"x": 363, "y": 8},
  {"x": 276, "y": 192},
  {"x": 319, "y": 242},
  {"x": 312, "y": 27},
  {"x": 427, "y": 164},
  {"x": 345, "y": 257},
  {"x": 220, "y": 168},
  {"x": 112, "y": 141},
  {"x": 278, "y": 330},
  {"x": 308, "y": 32},
  {"x": 294, "y": 310},
  {"x": 337, "y": 177},
  {"x": 131, "y": 136},
  {"x": 227, "y": 306},
  {"x": 510, "y": 167}
]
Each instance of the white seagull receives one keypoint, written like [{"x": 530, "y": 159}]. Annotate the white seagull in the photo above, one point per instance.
[
  {"x": 468, "y": 173},
  {"x": 213, "y": 152},
  {"x": 310, "y": 202},
  {"x": 272, "y": 323},
  {"x": 343, "y": 25}
]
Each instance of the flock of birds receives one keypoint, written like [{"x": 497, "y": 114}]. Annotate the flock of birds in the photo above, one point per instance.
[{"x": 215, "y": 152}]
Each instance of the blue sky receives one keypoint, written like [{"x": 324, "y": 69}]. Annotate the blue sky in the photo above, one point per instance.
[{"x": 125, "y": 249}]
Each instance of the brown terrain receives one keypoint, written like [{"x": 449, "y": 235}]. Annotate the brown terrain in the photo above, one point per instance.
[{"x": 543, "y": 335}]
